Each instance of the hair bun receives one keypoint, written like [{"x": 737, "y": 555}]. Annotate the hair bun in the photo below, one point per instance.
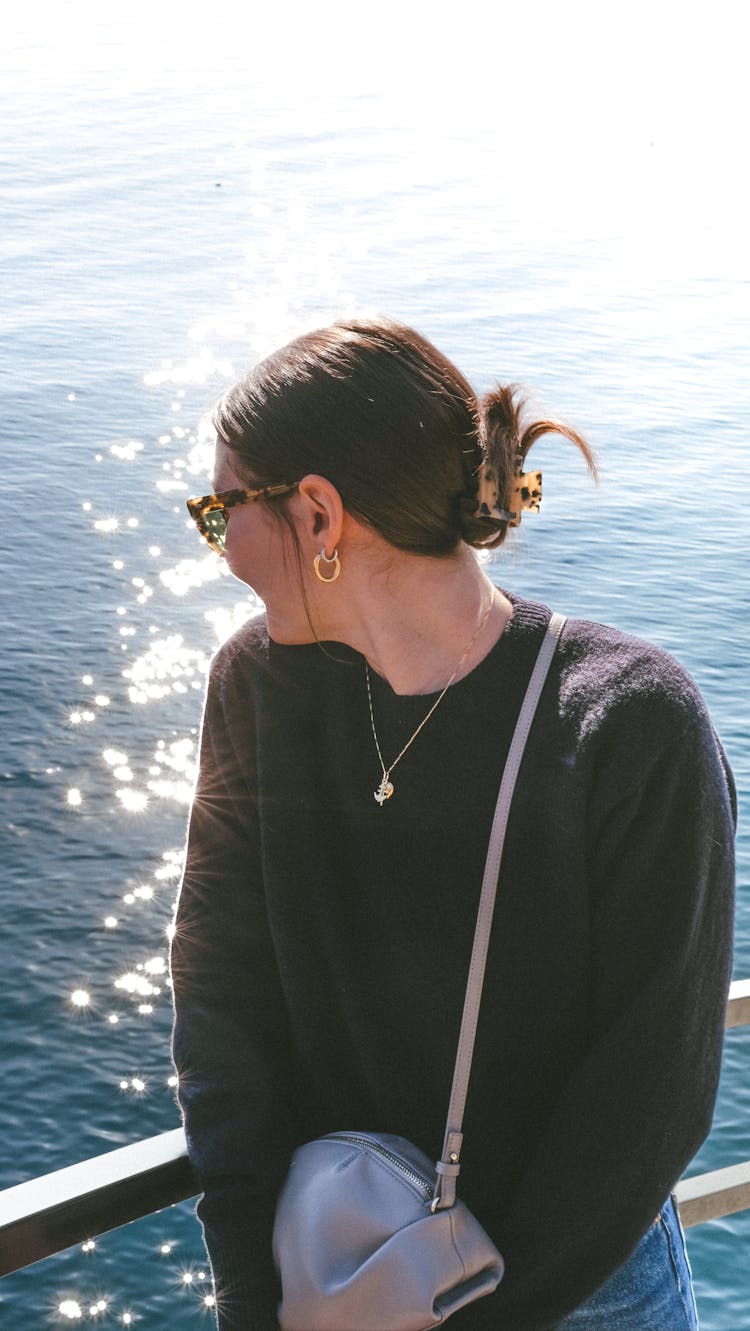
[{"x": 502, "y": 487}]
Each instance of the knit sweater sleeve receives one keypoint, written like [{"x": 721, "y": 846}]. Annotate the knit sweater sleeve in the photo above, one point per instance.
[
  {"x": 230, "y": 1041},
  {"x": 639, "y": 1103}
]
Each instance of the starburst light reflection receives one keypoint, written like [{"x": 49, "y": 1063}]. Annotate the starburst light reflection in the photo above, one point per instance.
[
  {"x": 71, "y": 1309},
  {"x": 135, "y": 801}
]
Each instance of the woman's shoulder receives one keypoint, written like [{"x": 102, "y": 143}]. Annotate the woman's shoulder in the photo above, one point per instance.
[
  {"x": 248, "y": 642},
  {"x": 631, "y": 696},
  {"x": 250, "y": 660},
  {"x": 607, "y": 661},
  {"x": 609, "y": 678},
  {"x": 240, "y": 657}
]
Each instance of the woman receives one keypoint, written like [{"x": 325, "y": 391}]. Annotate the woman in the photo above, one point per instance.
[{"x": 353, "y": 742}]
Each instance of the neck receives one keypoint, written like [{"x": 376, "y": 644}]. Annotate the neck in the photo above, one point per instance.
[{"x": 414, "y": 621}]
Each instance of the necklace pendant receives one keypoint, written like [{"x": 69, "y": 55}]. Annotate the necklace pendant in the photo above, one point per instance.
[{"x": 384, "y": 790}]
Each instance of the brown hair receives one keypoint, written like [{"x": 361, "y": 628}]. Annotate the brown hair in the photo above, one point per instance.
[{"x": 386, "y": 418}]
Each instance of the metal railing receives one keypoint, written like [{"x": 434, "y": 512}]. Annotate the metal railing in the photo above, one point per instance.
[{"x": 53, "y": 1212}]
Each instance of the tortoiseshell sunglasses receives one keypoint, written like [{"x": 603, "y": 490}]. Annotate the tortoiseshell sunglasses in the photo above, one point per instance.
[{"x": 211, "y": 513}]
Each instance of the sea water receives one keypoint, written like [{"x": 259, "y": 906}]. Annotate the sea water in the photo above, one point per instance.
[{"x": 174, "y": 210}]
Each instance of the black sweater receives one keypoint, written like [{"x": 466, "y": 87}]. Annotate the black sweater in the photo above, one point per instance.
[{"x": 322, "y": 945}]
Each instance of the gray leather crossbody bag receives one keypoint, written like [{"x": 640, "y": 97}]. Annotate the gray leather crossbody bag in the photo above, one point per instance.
[{"x": 369, "y": 1234}]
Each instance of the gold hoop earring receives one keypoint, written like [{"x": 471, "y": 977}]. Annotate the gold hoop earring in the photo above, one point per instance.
[{"x": 334, "y": 559}]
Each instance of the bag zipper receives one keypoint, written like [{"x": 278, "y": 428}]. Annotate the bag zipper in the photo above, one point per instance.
[{"x": 418, "y": 1180}]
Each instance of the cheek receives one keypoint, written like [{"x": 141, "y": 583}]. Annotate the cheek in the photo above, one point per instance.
[
  {"x": 244, "y": 545},
  {"x": 259, "y": 552}
]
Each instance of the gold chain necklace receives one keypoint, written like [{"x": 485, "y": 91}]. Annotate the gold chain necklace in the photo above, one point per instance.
[{"x": 385, "y": 789}]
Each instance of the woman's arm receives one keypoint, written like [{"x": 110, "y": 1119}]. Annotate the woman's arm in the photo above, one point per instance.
[
  {"x": 640, "y": 1103},
  {"x": 230, "y": 1036}
]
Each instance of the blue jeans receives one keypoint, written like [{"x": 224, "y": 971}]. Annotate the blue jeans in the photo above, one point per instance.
[{"x": 652, "y": 1291}]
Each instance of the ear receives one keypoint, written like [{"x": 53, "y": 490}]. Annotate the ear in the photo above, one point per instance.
[{"x": 320, "y": 513}]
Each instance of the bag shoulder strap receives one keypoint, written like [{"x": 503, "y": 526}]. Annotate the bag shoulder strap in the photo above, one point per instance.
[{"x": 448, "y": 1166}]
